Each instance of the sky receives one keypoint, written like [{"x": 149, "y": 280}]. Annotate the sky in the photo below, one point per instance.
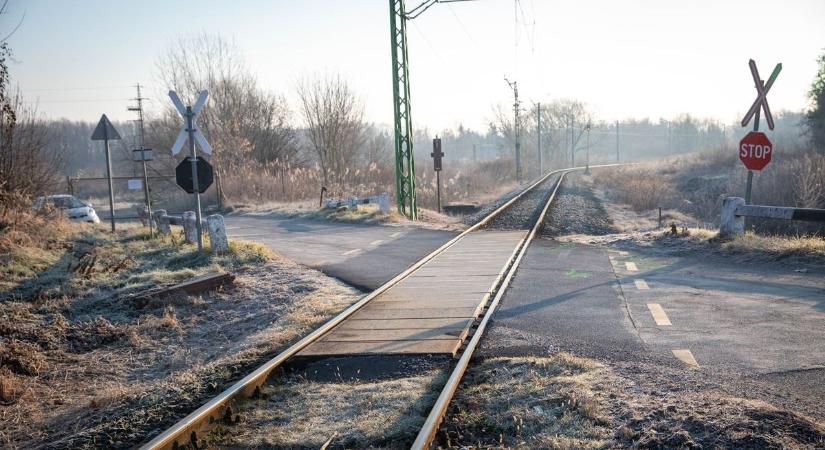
[{"x": 624, "y": 59}]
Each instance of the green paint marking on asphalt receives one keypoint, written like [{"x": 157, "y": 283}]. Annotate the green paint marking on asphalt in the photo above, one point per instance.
[{"x": 573, "y": 273}]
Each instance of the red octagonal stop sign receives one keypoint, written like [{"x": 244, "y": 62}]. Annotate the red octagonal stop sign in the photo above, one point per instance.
[{"x": 755, "y": 150}]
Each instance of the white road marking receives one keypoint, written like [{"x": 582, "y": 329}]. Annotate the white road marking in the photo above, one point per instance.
[
  {"x": 352, "y": 252},
  {"x": 376, "y": 242},
  {"x": 686, "y": 357},
  {"x": 396, "y": 234},
  {"x": 659, "y": 315},
  {"x": 641, "y": 284},
  {"x": 631, "y": 266}
]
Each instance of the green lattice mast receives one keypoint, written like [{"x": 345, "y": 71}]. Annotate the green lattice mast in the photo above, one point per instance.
[{"x": 404, "y": 157}]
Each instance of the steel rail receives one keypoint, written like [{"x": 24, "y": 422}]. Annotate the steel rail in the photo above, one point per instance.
[
  {"x": 428, "y": 431},
  {"x": 219, "y": 409}
]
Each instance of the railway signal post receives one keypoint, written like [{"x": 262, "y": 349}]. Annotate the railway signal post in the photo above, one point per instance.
[
  {"x": 437, "y": 154},
  {"x": 755, "y": 149}
]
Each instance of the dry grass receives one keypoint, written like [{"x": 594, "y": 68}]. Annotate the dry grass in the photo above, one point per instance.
[
  {"x": 300, "y": 413},
  {"x": 364, "y": 214},
  {"x": 74, "y": 348},
  {"x": 779, "y": 247},
  {"x": 464, "y": 181},
  {"x": 527, "y": 403}
]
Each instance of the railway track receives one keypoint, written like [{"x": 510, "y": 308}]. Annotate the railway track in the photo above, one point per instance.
[{"x": 520, "y": 212}]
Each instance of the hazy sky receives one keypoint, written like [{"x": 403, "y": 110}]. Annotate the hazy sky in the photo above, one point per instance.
[{"x": 643, "y": 58}]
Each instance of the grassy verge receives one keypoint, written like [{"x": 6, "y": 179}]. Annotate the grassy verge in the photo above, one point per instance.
[
  {"x": 76, "y": 284},
  {"x": 527, "y": 403},
  {"x": 301, "y": 413},
  {"x": 92, "y": 263},
  {"x": 567, "y": 402},
  {"x": 365, "y": 214},
  {"x": 756, "y": 246},
  {"x": 75, "y": 348}
]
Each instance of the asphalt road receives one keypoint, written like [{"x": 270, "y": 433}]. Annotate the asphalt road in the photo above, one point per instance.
[
  {"x": 563, "y": 297},
  {"x": 752, "y": 329},
  {"x": 364, "y": 256}
]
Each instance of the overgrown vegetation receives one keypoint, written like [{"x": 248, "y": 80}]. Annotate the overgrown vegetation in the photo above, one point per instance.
[
  {"x": 528, "y": 403},
  {"x": 696, "y": 185},
  {"x": 71, "y": 282}
]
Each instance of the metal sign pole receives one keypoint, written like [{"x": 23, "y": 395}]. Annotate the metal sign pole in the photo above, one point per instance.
[
  {"x": 146, "y": 192},
  {"x": 438, "y": 189},
  {"x": 191, "y": 130},
  {"x": 749, "y": 186},
  {"x": 109, "y": 177}
]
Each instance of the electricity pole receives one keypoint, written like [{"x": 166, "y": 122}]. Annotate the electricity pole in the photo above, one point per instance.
[
  {"x": 587, "y": 161},
  {"x": 538, "y": 131},
  {"x": 404, "y": 157},
  {"x": 147, "y": 200},
  {"x": 516, "y": 127},
  {"x": 572, "y": 143}
]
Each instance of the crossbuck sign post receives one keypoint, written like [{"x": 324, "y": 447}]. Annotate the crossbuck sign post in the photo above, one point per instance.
[
  {"x": 189, "y": 113},
  {"x": 755, "y": 149}
]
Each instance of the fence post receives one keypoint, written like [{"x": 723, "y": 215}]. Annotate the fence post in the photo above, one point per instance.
[
  {"x": 162, "y": 222},
  {"x": 143, "y": 214},
  {"x": 190, "y": 226},
  {"x": 730, "y": 224},
  {"x": 217, "y": 234}
]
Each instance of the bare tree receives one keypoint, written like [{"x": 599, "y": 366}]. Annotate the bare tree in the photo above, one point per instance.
[
  {"x": 334, "y": 120},
  {"x": 241, "y": 120},
  {"x": 809, "y": 180},
  {"x": 27, "y": 167}
]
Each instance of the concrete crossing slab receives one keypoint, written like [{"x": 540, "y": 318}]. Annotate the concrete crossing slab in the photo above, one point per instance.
[{"x": 432, "y": 310}]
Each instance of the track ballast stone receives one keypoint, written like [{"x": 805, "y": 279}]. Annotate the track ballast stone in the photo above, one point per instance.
[
  {"x": 522, "y": 214},
  {"x": 577, "y": 210}
]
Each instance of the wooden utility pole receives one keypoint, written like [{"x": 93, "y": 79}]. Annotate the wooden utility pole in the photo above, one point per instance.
[{"x": 538, "y": 126}]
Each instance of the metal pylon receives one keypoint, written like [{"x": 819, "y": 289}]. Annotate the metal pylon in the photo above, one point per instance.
[{"x": 404, "y": 157}]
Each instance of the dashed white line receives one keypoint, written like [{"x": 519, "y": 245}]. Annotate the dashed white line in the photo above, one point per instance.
[
  {"x": 659, "y": 315},
  {"x": 396, "y": 234},
  {"x": 352, "y": 252},
  {"x": 641, "y": 284},
  {"x": 631, "y": 266},
  {"x": 376, "y": 242},
  {"x": 686, "y": 357}
]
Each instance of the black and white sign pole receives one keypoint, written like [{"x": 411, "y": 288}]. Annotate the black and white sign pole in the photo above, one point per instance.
[
  {"x": 437, "y": 154},
  {"x": 189, "y": 113},
  {"x": 105, "y": 131},
  {"x": 761, "y": 103},
  {"x": 193, "y": 153}
]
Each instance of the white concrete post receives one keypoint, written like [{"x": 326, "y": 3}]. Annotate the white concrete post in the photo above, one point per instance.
[
  {"x": 731, "y": 225},
  {"x": 190, "y": 226},
  {"x": 143, "y": 214},
  {"x": 384, "y": 202},
  {"x": 217, "y": 234},
  {"x": 162, "y": 222}
]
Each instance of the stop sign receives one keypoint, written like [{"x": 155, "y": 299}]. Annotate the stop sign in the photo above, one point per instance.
[
  {"x": 755, "y": 150},
  {"x": 183, "y": 175}
]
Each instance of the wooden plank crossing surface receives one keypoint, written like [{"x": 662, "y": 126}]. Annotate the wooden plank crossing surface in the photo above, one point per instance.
[{"x": 431, "y": 311}]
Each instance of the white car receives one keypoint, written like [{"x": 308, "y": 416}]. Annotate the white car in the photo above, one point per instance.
[{"x": 73, "y": 207}]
